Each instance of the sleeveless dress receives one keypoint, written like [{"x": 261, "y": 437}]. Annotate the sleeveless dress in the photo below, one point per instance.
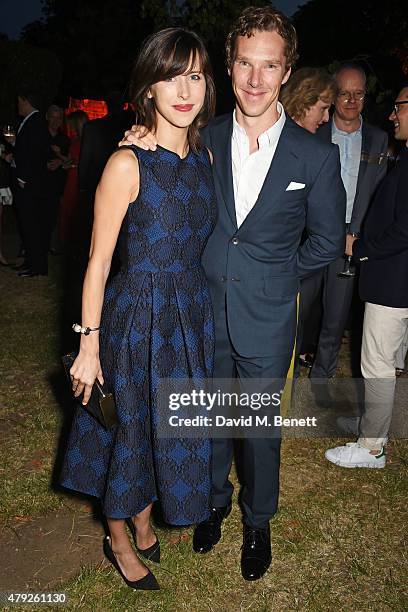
[{"x": 156, "y": 322}]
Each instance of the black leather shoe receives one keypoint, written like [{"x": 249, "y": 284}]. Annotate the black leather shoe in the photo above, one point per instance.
[
  {"x": 20, "y": 267},
  {"x": 153, "y": 552},
  {"x": 208, "y": 533},
  {"x": 147, "y": 583},
  {"x": 306, "y": 361},
  {"x": 256, "y": 554},
  {"x": 28, "y": 274}
]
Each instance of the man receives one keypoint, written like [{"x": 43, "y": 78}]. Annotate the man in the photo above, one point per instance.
[
  {"x": 99, "y": 140},
  {"x": 31, "y": 154},
  {"x": 273, "y": 179},
  {"x": 363, "y": 157},
  {"x": 383, "y": 253},
  {"x": 56, "y": 176}
]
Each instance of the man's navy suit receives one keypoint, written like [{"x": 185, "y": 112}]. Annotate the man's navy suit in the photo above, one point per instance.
[{"x": 254, "y": 273}]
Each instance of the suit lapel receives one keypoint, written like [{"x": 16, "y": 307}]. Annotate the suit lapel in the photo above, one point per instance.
[
  {"x": 278, "y": 177},
  {"x": 365, "y": 152},
  {"x": 221, "y": 146}
]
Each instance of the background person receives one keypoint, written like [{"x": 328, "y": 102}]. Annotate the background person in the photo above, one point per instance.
[
  {"x": 383, "y": 253},
  {"x": 31, "y": 149},
  {"x": 70, "y": 199},
  {"x": 363, "y": 157},
  {"x": 58, "y": 154},
  {"x": 307, "y": 98}
]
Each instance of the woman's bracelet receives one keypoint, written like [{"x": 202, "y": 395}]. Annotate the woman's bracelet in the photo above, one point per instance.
[{"x": 83, "y": 330}]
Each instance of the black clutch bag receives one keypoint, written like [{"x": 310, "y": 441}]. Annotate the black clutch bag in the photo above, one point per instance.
[{"x": 101, "y": 405}]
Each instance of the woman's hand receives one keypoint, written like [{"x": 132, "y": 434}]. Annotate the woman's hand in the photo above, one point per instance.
[
  {"x": 84, "y": 371},
  {"x": 140, "y": 137}
]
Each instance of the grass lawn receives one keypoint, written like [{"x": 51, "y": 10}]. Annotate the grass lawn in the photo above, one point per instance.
[{"x": 339, "y": 539}]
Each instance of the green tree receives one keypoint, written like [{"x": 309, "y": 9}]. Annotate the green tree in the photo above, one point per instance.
[
  {"x": 25, "y": 66},
  {"x": 371, "y": 31}
]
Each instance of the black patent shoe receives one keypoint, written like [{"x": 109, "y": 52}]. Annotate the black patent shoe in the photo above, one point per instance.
[
  {"x": 208, "y": 533},
  {"x": 153, "y": 552},
  {"x": 147, "y": 583},
  {"x": 256, "y": 554},
  {"x": 306, "y": 361}
]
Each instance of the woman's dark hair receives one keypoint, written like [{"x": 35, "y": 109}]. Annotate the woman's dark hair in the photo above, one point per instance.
[{"x": 164, "y": 55}]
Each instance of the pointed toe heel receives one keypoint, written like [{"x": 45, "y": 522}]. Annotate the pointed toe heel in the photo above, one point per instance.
[
  {"x": 147, "y": 583},
  {"x": 153, "y": 552}
]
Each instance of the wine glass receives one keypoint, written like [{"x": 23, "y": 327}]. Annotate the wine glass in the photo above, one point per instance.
[
  {"x": 348, "y": 271},
  {"x": 9, "y": 131}
]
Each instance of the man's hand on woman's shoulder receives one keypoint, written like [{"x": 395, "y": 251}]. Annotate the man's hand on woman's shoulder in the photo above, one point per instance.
[{"x": 139, "y": 136}]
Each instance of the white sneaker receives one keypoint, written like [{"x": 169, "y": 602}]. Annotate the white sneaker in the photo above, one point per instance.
[{"x": 353, "y": 455}]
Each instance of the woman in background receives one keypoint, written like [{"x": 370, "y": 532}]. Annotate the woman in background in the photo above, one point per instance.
[
  {"x": 70, "y": 199},
  {"x": 307, "y": 98}
]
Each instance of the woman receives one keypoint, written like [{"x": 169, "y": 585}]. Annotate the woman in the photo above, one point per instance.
[
  {"x": 307, "y": 98},
  {"x": 155, "y": 318},
  {"x": 70, "y": 199}
]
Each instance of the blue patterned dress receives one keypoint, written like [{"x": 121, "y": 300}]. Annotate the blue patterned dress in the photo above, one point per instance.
[{"x": 156, "y": 323}]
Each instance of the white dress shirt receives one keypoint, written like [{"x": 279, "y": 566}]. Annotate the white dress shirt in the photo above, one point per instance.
[{"x": 249, "y": 170}]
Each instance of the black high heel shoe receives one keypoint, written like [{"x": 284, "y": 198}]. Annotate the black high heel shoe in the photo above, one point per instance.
[
  {"x": 153, "y": 552},
  {"x": 147, "y": 583}
]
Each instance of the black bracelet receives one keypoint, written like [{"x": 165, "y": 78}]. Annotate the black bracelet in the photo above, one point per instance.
[{"x": 83, "y": 330}]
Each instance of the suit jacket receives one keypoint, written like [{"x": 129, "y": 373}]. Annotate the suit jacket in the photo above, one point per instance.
[
  {"x": 373, "y": 168},
  {"x": 383, "y": 247},
  {"x": 31, "y": 154},
  {"x": 255, "y": 269},
  {"x": 100, "y": 138}
]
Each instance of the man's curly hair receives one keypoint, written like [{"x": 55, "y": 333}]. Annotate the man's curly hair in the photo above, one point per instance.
[{"x": 262, "y": 19}]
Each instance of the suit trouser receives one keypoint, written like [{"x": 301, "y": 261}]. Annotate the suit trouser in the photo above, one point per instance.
[
  {"x": 260, "y": 456},
  {"x": 30, "y": 209},
  {"x": 383, "y": 332},
  {"x": 51, "y": 210},
  {"x": 337, "y": 297},
  {"x": 402, "y": 353},
  {"x": 309, "y": 315}
]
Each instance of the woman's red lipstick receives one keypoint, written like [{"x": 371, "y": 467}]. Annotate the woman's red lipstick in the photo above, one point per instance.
[{"x": 183, "y": 108}]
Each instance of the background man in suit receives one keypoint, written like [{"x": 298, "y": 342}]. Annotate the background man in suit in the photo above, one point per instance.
[
  {"x": 31, "y": 155},
  {"x": 273, "y": 180},
  {"x": 99, "y": 139},
  {"x": 383, "y": 253},
  {"x": 363, "y": 156},
  {"x": 58, "y": 153}
]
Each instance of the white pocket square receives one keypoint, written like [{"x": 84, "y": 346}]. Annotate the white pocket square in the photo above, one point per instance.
[{"x": 292, "y": 186}]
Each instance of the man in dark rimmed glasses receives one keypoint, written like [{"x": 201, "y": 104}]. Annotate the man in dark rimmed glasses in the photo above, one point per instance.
[
  {"x": 383, "y": 253},
  {"x": 363, "y": 157}
]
